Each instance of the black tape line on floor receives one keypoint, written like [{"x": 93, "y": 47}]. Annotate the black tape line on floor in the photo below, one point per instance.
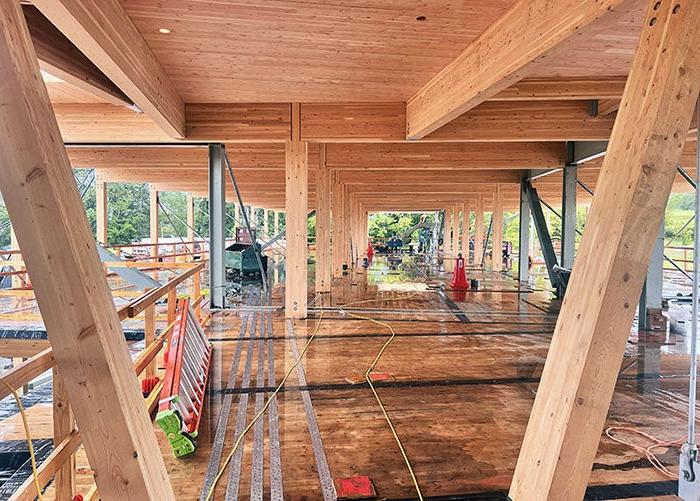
[
  {"x": 381, "y": 334},
  {"x": 593, "y": 493},
  {"x": 420, "y": 384}
]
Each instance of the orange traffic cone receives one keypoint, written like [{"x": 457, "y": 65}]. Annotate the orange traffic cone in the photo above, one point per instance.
[{"x": 459, "y": 277}]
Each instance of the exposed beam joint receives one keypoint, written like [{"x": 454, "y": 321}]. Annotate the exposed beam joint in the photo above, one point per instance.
[{"x": 104, "y": 32}]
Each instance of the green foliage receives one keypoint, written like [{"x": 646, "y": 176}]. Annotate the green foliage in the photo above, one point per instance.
[
  {"x": 4, "y": 228},
  {"x": 311, "y": 226},
  {"x": 128, "y": 212},
  {"x": 384, "y": 225}
]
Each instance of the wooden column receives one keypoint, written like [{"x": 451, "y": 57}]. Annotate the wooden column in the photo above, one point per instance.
[
  {"x": 323, "y": 224},
  {"x": 190, "y": 221},
  {"x": 456, "y": 229},
  {"x": 497, "y": 230},
  {"x": 101, "y": 214},
  {"x": 447, "y": 240},
  {"x": 71, "y": 290},
  {"x": 466, "y": 231},
  {"x": 296, "y": 201},
  {"x": 153, "y": 219},
  {"x": 478, "y": 231},
  {"x": 346, "y": 227},
  {"x": 338, "y": 247},
  {"x": 63, "y": 424},
  {"x": 589, "y": 340}
]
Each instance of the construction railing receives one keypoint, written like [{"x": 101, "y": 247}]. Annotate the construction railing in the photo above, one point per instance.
[
  {"x": 682, "y": 255},
  {"x": 65, "y": 446},
  {"x": 27, "y": 293}
]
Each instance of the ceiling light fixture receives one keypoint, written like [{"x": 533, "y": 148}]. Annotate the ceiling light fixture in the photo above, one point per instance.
[{"x": 164, "y": 31}]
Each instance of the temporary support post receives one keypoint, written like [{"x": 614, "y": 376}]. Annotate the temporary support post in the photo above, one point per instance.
[
  {"x": 296, "y": 202},
  {"x": 323, "y": 224},
  {"x": 568, "y": 221},
  {"x": 591, "y": 333},
  {"x": 496, "y": 248},
  {"x": 101, "y": 209},
  {"x": 190, "y": 220},
  {"x": 550, "y": 257},
  {"x": 217, "y": 226},
  {"x": 153, "y": 219},
  {"x": 72, "y": 293},
  {"x": 524, "y": 236},
  {"x": 479, "y": 231},
  {"x": 652, "y": 291}
]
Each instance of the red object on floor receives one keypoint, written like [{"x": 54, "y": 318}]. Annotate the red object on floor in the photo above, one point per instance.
[
  {"x": 78, "y": 497},
  {"x": 459, "y": 277},
  {"x": 357, "y": 487},
  {"x": 381, "y": 376},
  {"x": 370, "y": 251}
]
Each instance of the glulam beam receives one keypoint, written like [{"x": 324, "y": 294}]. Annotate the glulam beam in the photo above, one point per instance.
[
  {"x": 103, "y": 31},
  {"x": 592, "y": 329},
  {"x": 61, "y": 59},
  {"x": 498, "y": 58}
]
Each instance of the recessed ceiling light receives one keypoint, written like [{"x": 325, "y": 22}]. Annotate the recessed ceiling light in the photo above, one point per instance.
[
  {"x": 421, "y": 18},
  {"x": 164, "y": 31}
]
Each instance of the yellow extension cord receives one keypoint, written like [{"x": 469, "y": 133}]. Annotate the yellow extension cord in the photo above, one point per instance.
[
  {"x": 239, "y": 440},
  {"x": 369, "y": 382},
  {"x": 29, "y": 437}
]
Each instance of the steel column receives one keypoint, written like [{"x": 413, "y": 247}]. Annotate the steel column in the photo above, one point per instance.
[
  {"x": 217, "y": 231},
  {"x": 550, "y": 257},
  {"x": 568, "y": 222},
  {"x": 524, "y": 236},
  {"x": 653, "y": 285}
]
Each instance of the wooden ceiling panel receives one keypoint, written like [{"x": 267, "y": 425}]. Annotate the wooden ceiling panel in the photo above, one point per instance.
[
  {"x": 285, "y": 50},
  {"x": 604, "y": 48}
]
